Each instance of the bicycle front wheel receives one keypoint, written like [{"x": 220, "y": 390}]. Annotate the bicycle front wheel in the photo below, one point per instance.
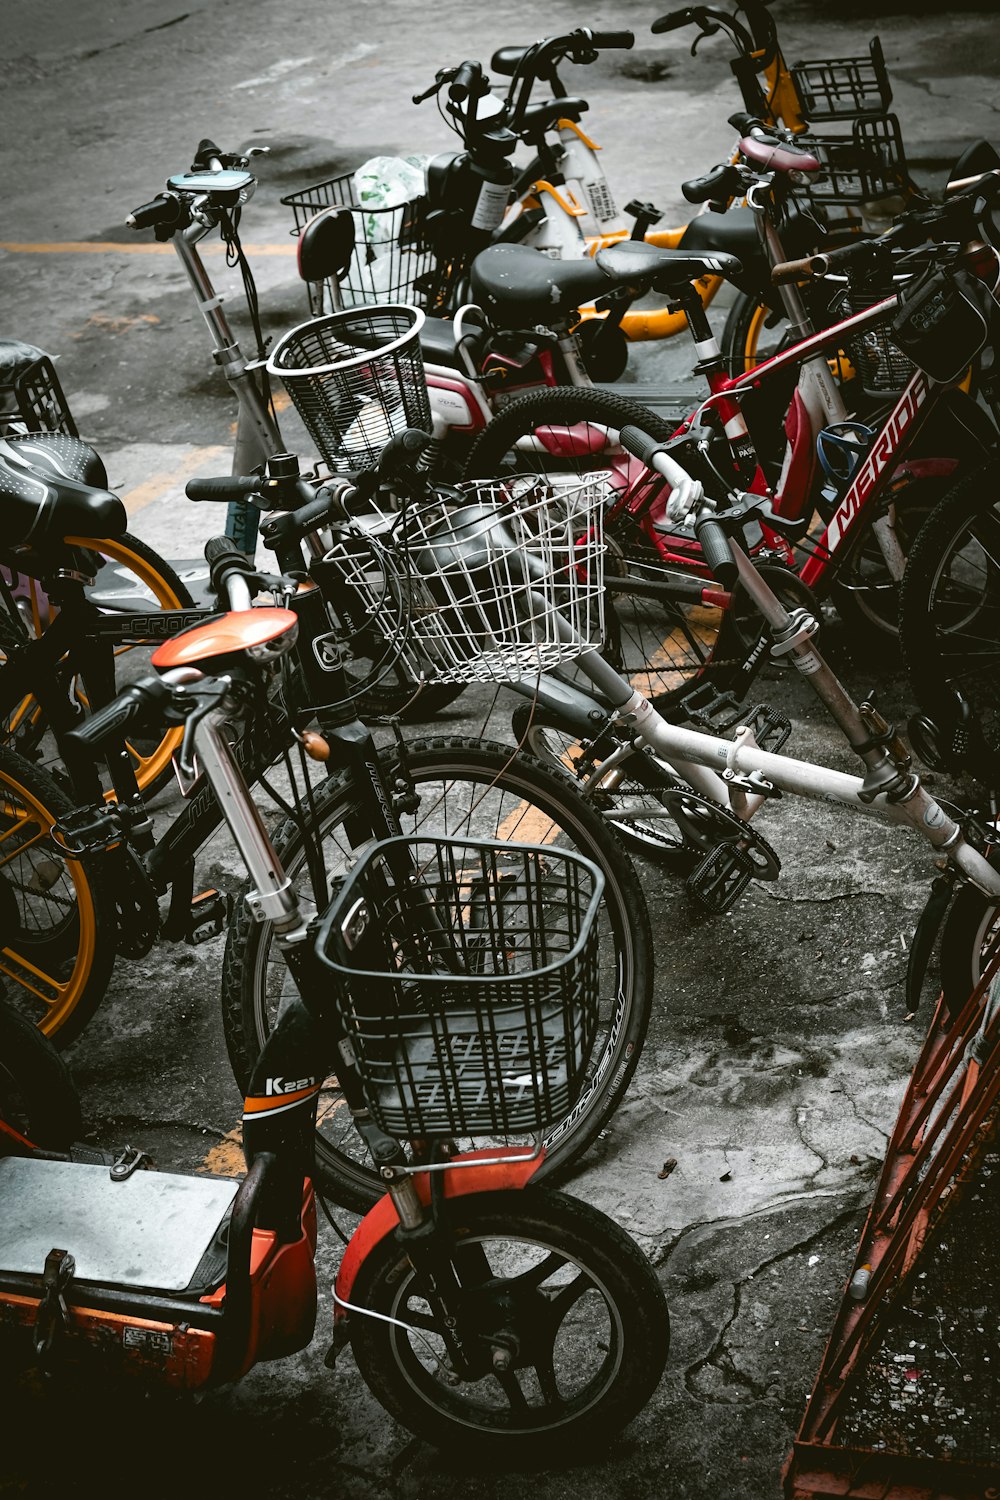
[
  {"x": 565, "y": 1327},
  {"x": 466, "y": 788}
]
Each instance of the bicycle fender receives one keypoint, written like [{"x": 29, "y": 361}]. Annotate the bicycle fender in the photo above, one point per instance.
[{"x": 491, "y": 1177}]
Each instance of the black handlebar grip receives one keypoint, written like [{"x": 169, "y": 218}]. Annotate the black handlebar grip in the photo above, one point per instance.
[
  {"x": 639, "y": 444},
  {"x": 108, "y": 723},
  {"x": 162, "y": 210},
  {"x": 206, "y": 150},
  {"x": 673, "y": 22},
  {"x": 716, "y": 550},
  {"x": 308, "y": 517},
  {"x": 744, "y": 122},
  {"x": 721, "y": 182},
  {"x": 798, "y": 270},
  {"x": 605, "y": 40},
  {"x": 231, "y": 487},
  {"x": 400, "y": 451},
  {"x": 467, "y": 75}
]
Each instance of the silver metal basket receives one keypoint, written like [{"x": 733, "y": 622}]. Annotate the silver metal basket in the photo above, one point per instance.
[
  {"x": 356, "y": 378},
  {"x": 497, "y": 581}
]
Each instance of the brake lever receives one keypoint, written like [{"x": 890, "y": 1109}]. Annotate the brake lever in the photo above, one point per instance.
[{"x": 186, "y": 761}]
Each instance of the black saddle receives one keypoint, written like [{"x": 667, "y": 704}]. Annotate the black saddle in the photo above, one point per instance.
[
  {"x": 520, "y": 287},
  {"x": 506, "y": 59},
  {"x": 633, "y": 262},
  {"x": 538, "y": 118},
  {"x": 735, "y": 233},
  {"x": 52, "y": 487}
]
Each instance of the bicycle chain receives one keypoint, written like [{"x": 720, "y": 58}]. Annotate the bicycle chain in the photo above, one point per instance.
[{"x": 766, "y": 862}]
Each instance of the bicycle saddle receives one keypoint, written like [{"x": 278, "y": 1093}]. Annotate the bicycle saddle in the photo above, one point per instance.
[
  {"x": 545, "y": 116},
  {"x": 520, "y": 287},
  {"x": 632, "y": 261},
  {"x": 53, "y": 487},
  {"x": 506, "y": 59}
]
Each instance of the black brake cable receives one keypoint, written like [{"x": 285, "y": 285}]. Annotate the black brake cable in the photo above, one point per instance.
[{"x": 236, "y": 256}]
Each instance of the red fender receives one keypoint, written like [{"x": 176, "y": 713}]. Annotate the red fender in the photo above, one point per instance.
[{"x": 491, "y": 1177}]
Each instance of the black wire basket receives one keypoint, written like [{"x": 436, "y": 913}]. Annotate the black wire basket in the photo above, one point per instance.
[
  {"x": 842, "y": 88},
  {"x": 467, "y": 982},
  {"x": 356, "y": 378},
  {"x": 879, "y": 363},
  {"x": 395, "y": 255},
  {"x": 867, "y": 166},
  {"x": 31, "y": 397}
]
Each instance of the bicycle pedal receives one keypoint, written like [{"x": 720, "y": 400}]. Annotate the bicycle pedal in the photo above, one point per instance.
[
  {"x": 209, "y": 917},
  {"x": 771, "y": 728},
  {"x": 720, "y": 877},
  {"x": 705, "y": 706}
]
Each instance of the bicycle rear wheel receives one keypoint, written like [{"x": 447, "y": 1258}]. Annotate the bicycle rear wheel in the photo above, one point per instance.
[
  {"x": 949, "y": 615},
  {"x": 58, "y": 934},
  {"x": 473, "y": 789},
  {"x": 566, "y": 1297},
  {"x": 37, "y": 1095}
]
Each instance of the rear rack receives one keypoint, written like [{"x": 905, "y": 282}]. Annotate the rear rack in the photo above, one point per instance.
[{"x": 842, "y": 88}]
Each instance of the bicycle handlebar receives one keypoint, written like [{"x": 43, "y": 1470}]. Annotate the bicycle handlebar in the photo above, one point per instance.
[
  {"x": 716, "y": 550},
  {"x": 140, "y": 703},
  {"x": 674, "y": 21},
  {"x": 608, "y": 41},
  {"x": 165, "y": 208},
  {"x": 229, "y": 487},
  {"x": 467, "y": 80},
  {"x": 722, "y": 182}
]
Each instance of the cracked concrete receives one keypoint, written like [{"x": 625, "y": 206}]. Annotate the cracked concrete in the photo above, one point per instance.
[{"x": 777, "y": 1052}]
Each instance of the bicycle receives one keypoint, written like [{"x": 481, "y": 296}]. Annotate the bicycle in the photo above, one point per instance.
[
  {"x": 852, "y": 472},
  {"x": 37, "y": 430},
  {"x": 433, "y": 787},
  {"x": 705, "y": 788},
  {"x": 480, "y": 1311}
]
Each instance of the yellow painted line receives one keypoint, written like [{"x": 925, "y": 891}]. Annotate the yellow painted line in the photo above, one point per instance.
[
  {"x": 154, "y": 488},
  {"x": 226, "y": 1159},
  {"x": 104, "y": 247},
  {"x": 529, "y": 824}
]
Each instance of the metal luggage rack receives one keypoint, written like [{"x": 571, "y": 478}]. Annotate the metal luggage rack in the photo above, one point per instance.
[
  {"x": 467, "y": 982},
  {"x": 395, "y": 258},
  {"x": 842, "y": 88},
  {"x": 864, "y": 167}
]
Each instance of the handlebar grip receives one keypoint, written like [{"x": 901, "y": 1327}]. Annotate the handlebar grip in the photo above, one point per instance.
[
  {"x": 673, "y": 21},
  {"x": 639, "y": 444},
  {"x": 798, "y": 270},
  {"x": 400, "y": 451},
  {"x": 721, "y": 182},
  {"x": 606, "y": 40},
  {"x": 110, "y": 722},
  {"x": 744, "y": 122},
  {"x": 230, "y": 487},
  {"x": 206, "y": 150},
  {"x": 467, "y": 75},
  {"x": 717, "y": 552},
  {"x": 164, "y": 209}
]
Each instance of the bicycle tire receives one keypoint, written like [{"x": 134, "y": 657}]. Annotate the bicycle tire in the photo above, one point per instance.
[
  {"x": 970, "y": 932},
  {"x": 152, "y": 759},
  {"x": 949, "y": 603},
  {"x": 668, "y": 647},
  {"x": 58, "y": 933},
  {"x": 511, "y": 795},
  {"x": 37, "y": 1094},
  {"x": 572, "y": 1290}
]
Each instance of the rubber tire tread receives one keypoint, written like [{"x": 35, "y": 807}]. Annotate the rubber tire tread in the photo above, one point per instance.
[
  {"x": 564, "y": 1223},
  {"x": 42, "y": 1081}
]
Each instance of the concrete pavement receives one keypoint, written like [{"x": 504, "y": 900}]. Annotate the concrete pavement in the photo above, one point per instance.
[{"x": 778, "y": 1052}]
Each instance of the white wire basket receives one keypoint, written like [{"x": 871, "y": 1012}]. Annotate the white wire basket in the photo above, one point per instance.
[{"x": 492, "y": 582}]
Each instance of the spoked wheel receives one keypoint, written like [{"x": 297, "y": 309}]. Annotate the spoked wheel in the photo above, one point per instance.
[
  {"x": 471, "y": 789},
  {"x": 562, "y": 1328},
  {"x": 950, "y": 606},
  {"x": 968, "y": 940},
  {"x": 629, "y": 796},
  {"x": 57, "y": 923}
]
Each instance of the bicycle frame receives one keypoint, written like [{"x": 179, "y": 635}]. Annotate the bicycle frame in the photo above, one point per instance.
[{"x": 720, "y": 769}]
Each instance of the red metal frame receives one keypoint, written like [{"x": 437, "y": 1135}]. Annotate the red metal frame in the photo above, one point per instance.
[{"x": 932, "y": 1149}]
